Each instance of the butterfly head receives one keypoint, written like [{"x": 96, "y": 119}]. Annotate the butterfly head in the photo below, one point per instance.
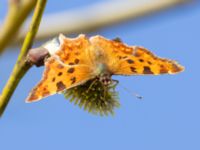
[
  {"x": 103, "y": 74},
  {"x": 105, "y": 79}
]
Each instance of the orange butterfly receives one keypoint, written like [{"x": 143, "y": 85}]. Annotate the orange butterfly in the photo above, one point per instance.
[{"x": 73, "y": 61}]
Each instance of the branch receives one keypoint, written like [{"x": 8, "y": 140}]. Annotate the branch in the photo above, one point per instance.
[
  {"x": 17, "y": 13},
  {"x": 22, "y": 66},
  {"x": 76, "y": 18}
]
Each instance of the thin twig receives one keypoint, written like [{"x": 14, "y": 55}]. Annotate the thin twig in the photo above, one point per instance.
[
  {"x": 21, "y": 66},
  {"x": 18, "y": 11}
]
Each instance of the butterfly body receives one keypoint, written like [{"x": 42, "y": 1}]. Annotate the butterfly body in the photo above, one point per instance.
[{"x": 74, "y": 61}]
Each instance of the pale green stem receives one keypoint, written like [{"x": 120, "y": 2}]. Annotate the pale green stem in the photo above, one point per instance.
[
  {"x": 21, "y": 66},
  {"x": 18, "y": 11}
]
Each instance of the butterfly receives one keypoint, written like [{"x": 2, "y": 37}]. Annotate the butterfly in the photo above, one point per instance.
[{"x": 74, "y": 61}]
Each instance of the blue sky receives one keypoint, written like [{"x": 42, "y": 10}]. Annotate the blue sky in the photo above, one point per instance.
[{"x": 167, "y": 117}]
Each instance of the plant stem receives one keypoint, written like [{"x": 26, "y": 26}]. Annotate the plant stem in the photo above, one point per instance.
[
  {"x": 22, "y": 66},
  {"x": 18, "y": 11}
]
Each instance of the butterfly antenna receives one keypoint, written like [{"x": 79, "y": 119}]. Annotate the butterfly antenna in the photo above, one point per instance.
[{"x": 131, "y": 92}]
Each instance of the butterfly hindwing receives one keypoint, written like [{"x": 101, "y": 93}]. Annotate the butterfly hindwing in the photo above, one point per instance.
[{"x": 127, "y": 60}]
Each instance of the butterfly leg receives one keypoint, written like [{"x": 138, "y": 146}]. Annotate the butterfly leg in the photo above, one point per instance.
[{"x": 114, "y": 83}]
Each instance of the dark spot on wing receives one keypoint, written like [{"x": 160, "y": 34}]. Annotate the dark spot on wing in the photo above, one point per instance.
[
  {"x": 124, "y": 57},
  {"x": 130, "y": 61},
  {"x": 53, "y": 79},
  {"x": 141, "y": 60},
  {"x": 60, "y": 73},
  {"x": 60, "y": 86},
  {"x": 71, "y": 63},
  {"x": 147, "y": 70},
  {"x": 149, "y": 62},
  {"x": 70, "y": 70},
  {"x": 120, "y": 57},
  {"x": 76, "y": 61},
  {"x": 161, "y": 66},
  {"x": 133, "y": 69},
  {"x": 73, "y": 79}
]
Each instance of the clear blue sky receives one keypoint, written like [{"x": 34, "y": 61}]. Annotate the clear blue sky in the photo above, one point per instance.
[{"x": 166, "y": 119}]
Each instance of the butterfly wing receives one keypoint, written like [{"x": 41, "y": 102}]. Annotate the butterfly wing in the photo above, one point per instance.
[
  {"x": 58, "y": 77},
  {"x": 74, "y": 50},
  {"x": 126, "y": 60},
  {"x": 68, "y": 66}
]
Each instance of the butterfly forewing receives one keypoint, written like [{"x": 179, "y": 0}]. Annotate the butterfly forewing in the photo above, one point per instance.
[{"x": 127, "y": 60}]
